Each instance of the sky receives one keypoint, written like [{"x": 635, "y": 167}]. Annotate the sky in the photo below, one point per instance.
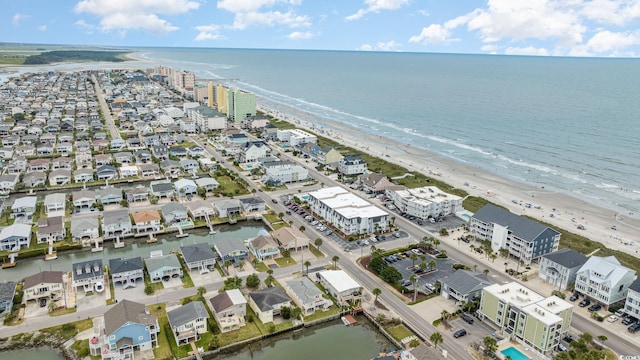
[{"x": 602, "y": 28}]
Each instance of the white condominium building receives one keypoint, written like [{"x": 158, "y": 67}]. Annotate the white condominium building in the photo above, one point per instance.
[
  {"x": 425, "y": 202},
  {"x": 347, "y": 212},
  {"x": 296, "y": 137}
]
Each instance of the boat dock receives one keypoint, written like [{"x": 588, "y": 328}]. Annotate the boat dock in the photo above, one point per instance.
[{"x": 348, "y": 320}]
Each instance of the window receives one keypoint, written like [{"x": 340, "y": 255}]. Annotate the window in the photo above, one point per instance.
[{"x": 140, "y": 338}]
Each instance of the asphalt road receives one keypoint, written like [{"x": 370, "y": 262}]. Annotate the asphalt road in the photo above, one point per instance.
[{"x": 108, "y": 119}]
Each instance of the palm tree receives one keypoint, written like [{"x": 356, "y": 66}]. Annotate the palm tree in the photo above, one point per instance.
[
  {"x": 280, "y": 215},
  {"x": 444, "y": 315},
  {"x": 436, "y": 242},
  {"x": 302, "y": 228},
  {"x": 201, "y": 291},
  {"x": 335, "y": 261},
  {"x": 227, "y": 263},
  {"x": 414, "y": 258},
  {"x": 486, "y": 272},
  {"x": 521, "y": 262},
  {"x": 307, "y": 264},
  {"x": 432, "y": 265},
  {"x": 423, "y": 266},
  {"x": 471, "y": 247},
  {"x": 493, "y": 257},
  {"x": 318, "y": 243},
  {"x": 376, "y": 292},
  {"x": 414, "y": 279},
  {"x": 436, "y": 338}
]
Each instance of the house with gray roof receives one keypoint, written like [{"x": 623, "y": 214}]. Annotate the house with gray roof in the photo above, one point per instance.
[
  {"x": 128, "y": 327},
  {"x": 526, "y": 239},
  {"x": 229, "y": 310},
  {"x": 163, "y": 267},
  {"x": 162, "y": 189},
  {"x": 632, "y": 303},
  {"x": 604, "y": 280},
  {"x": 7, "y": 292},
  {"x": 252, "y": 204},
  {"x": 138, "y": 193},
  {"x": 268, "y": 302},
  {"x": 85, "y": 228},
  {"x": 50, "y": 228},
  {"x": 126, "y": 272},
  {"x": 116, "y": 223},
  {"x": 43, "y": 285},
  {"x": 227, "y": 207},
  {"x": 174, "y": 213},
  {"x": 199, "y": 257},
  {"x": 306, "y": 295},
  {"x": 263, "y": 247},
  {"x": 233, "y": 250},
  {"x": 188, "y": 322},
  {"x": 34, "y": 178},
  {"x": 54, "y": 203},
  {"x": 559, "y": 268},
  {"x": 464, "y": 285},
  {"x": 24, "y": 207},
  {"x": 88, "y": 276},
  {"x": 15, "y": 237},
  {"x": 109, "y": 195}
]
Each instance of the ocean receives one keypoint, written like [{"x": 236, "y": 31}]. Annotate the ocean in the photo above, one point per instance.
[{"x": 568, "y": 124}]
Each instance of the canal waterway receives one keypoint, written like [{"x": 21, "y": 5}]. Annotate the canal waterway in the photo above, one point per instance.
[
  {"x": 331, "y": 340},
  {"x": 242, "y": 231},
  {"x": 31, "y": 354}
]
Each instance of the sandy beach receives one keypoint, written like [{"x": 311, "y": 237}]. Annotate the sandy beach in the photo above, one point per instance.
[{"x": 562, "y": 211}]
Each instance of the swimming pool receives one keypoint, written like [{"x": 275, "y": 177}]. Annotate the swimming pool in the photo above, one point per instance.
[
  {"x": 466, "y": 217},
  {"x": 514, "y": 354},
  {"x": 249, "y": 167}
]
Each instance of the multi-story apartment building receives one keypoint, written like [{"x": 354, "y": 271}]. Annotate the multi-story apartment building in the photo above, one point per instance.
[
  {"x": 604, "y": 280},
  {"x": 632, "y": 304},
  {"x": 425, "y": 202},
  {"x": 526, "y": 316},
  {"x": 207, "y": 119},
  {"x": 296, "y": 137},
  {"x": 559, "y": 268},
  {"x": 240, "y": 104},
  {"x": 284, "y": 172},
  {"x": 526, "y": 240},
  {"x": 348, "y": 213}
]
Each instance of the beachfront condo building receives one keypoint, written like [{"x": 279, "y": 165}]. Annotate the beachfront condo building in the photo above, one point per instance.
[
  {"x": 604, "y": 280},
  {"x": 525, "y": 239},
  {"x": 559, "y": 268},
  {"x": 296, "y": 137},
  {"x": 632, "y": 304},
  {"x": 211, "y": 95},
  {"x": 425, "y": 202},
  {"x": 182, "y": 81},
  {"x": 523, "y": 315},
  {"x": 207, "y": 119},
  {"x": 348, "y": 213},
  {"x": 221, "y": 99},
  {"x": 240, "y": 104}
]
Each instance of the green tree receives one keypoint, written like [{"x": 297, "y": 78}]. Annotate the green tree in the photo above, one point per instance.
[
  {"x": 302, "y": 228},
  {"x": 318, "y": 242},
  {"x": 435, "y": 242},
  {"x": 233, "y": 283},
  {"x": 253, "y": 281},
  {"x": 306, "y": 265},
  {"x": 436, "y": 338},
  {"x": 490, "y": 344},
  {"x": 201, "y": 291},
  {"x": 378, "y": 264},
  {"x": 335, "y": 260},
  {"x": 443, "y": 232},
  {"x": 376, "y": 292},
  {"x": 432, "y": 264},
  {"x": 390, "y": 274},
  {"x": 486, "y": 272},
  {"x": 444, "y": 315},
  {"x": 296, "y": 312},
  {"x": 227, "y": 264},
  {"x": 414, "y": 343},
  {"x": 414, "y": 258},
  {"x": 285, "y": 312},
  {"x": 414, "y": 279},
  {"x": 148, "y": 290}
]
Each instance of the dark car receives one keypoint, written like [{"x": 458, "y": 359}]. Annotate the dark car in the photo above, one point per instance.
[
  {"x": 568, "y": 339},
  {"x": 274, "y": 201},
  {"x": 574, "y": 297},
  {"x": 467, "y": 318},
  {"x": 288, "y": 212},
  {"x": 464, "y": 239},
  {"x": 43, "y": 302},
  {"x": 479, "y": 251},
  {"x": 628, "y": 320},
  {"x": 460, "y": 333},
  {"x": 595, "y": 307},
  {"x": 584, "y": 303},
  {"x": 634, "y": 328}
]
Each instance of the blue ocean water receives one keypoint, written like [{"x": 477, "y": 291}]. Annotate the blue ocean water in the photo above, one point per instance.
[{"x": 569, "y": 124}]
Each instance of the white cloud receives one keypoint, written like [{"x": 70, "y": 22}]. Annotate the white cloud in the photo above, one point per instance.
[
  {"x": 123, "y": 15},
  {"x": 244, "y": 6},
  {"x": 529, "y": 50},
  {"x": 301, "y": 35},
  {"x": 433, "y": 34},
  {"x": 88, "y": 28},
  {"x": 365, "y": 47},
  {"x": 376, "y": 6},
  {"x": 249, "y": 13},
  {"x": 380, "y": 46},
  {"x": 605, "y": 42},
  {"x": 42, "y": 28},
  {"x": 18, "y": 17},
  {"x": 208, "y": 32},
  {"x": 611, "y": 12}
]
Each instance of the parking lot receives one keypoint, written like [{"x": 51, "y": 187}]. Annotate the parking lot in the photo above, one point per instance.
[{"x": 443, "y": 269}]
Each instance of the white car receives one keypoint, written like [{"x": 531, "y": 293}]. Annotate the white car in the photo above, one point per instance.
[
  {"x": 612, "y": 318},
  {"x": 620, "y": 313}
]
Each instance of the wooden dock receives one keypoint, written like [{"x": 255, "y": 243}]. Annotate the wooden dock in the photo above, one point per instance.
[{"x": 348, "y": 320}]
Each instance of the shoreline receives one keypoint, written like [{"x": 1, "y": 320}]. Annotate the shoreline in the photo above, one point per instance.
[{"x": 568, "y": 211}]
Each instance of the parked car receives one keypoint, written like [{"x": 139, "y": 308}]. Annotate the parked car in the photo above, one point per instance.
[
  {"x": 467, "y": 318},
  {"x": 460, "y": 333},
  {"x": 274, "y": 201},
  {"x": 288, "y": 212},
  {"x": 612, "y": 318},
  {"x": 561, "y": 347},
  {"x": 465, "y": 239},
  {"x": 43, "y": 302},
  {"x": 396, "y": 234},
  {"x": 594, "y": 307},
  {"x": 584, "y": 303},
  {"x": 628, "y": 320},
  {"x": 574, "y": 297},
  {"x": 405, "y": 282},
  {"x": 568, "y": 339},
  {"x": 479, "y": 251},
  {"x": 416, "y": 251},
  {"x": 620, "y": 313},
  {"x": 634, "y": 328}
]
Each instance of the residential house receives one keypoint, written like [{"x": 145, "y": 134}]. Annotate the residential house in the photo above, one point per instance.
[
  {"x": 229, "y": 310},
  {"x": 526, "y": 239},
  {"x": 24, "y": 207},
  {"x": 83, "y": 175},
  {"x": 116, "y": 224},
  {"x": 251, "y": 151},
  {"x": 163, "y": 267},
  {"x": 290, "y": 238},
  {"x": 44, "y": 149},
  {"x": 340, "y": 285},
  {"x": 199, "y": 257},
  {"x": 188, "y": 322},
  {"x": 326, "y": 156},
  {"x": 123, "y": 157},
  {"x": 8, "y": 183},
  {"x": 109, "y": 195},
  {"x": 88, "y": 276},
  {"x": 62, "y": 162},
  {"x": 84, "y": 228},
  {"x": 15, "y": 237},
  {"x": 43, "y": 285},
  {"x": 207, "y": 164},
  {"x": 559, "y": 268},
  {"x": 306, "y": 295},
  {"x": 39, "y": 164},
  {"x": 231, "y": 249},
  {"x": 138, "y": 193},
  {"x": 103, "y": 159},
  {"x": 283, "y": 172},
  {"x": 604, "y": 280},
  {"x": 296, "y": 137},
  {"x": 207, "y": 183},
  {"x": 84, "y": 160},
  {"x": 374, "y": 183},
  {"x": 34, "y": 179},
  {"x": 59, "y": 177},
  {"x": 117, "y": 144},
  {"x": 352, "y": 165},
  {"x": 174, "y": 213},
  {"x": 160, "y": 151},
  {"x": 7, "y": 292},
  {"x": 83, "y": 200},
  {"x": 227, "y": 207},
  {"x": 50, "y": 228},
  {"x": 128, "y": 327},
  {"x": 267, "y": 303},
  {"x": 252, "y": 204},
  {"x": 128, "y": 171},
  {"x": 25, "y": 150},
  {"x": 200, "y": 209},
  {"x": 263, "y": 247},
  {"x": 185, "y": 187},
  {"x": 632, "y": 304},
  {"x": 54, "y": 203},
  {"x": 162, "y": 189},
  {"x": 147, "y": 220},
  {"x": 107, "y": 172},
  {"x": 171, "y": 168},
  {"x": 190, "y": 166},
  {"x": 149, "y": 170},
  {"x": 126, "y": 272},
  {"x": 531, "y": 319},
  {"x": 17, "y": 165},
  {"x": 464, "y": 286}
]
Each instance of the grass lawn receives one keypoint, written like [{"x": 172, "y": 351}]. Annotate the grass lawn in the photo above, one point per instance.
[
  {"x": 317, "y": 253},
  {"x": 67, "y": 331},
  {"x": 246, "y": 332},
  {"x": 261, "y": 267},
  {"x": 322, "y": 314},
  {"x": 229, "y": 187},
  {"x": 279, "y": 225},
  {"x": 186, "y": 280},
  {"x": 399, "y": 332},
  {"x": 272, "y": 217},
  {"x": 285, "y": 261},
  {"x": 163, "y": 351},
  {"x": 62, "y": 312}
]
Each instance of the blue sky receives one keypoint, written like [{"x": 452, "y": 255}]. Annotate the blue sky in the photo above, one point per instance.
[{"x": 608, "y": 28}]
